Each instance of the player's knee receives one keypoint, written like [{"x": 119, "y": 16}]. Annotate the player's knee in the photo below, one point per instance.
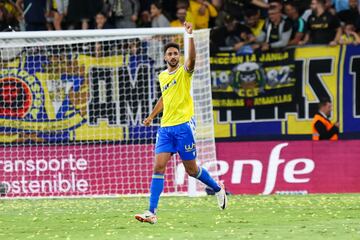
[
  {"x": 159, "y": 168},
  {"x": 192, "y": 171}
]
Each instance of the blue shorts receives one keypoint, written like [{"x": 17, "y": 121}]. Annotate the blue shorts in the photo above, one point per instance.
[{"x": 177, "y": 139}]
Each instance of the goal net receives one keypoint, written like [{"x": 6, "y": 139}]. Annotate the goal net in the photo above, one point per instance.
[{"x": 71, "y": 107}]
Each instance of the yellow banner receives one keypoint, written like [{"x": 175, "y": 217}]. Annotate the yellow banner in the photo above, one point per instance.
[{"x": 58, "y": 125}]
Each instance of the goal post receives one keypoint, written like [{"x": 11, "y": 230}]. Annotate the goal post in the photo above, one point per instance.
[{"x": 71, "y": 107}]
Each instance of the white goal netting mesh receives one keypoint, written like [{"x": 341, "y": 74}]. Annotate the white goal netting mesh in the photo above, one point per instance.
[{"x": 71, "y": 110}]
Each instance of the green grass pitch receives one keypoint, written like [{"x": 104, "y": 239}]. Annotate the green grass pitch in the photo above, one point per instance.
[{"x": 248, "y": 217}]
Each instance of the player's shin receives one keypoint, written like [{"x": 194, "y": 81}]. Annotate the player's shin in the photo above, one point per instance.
[
  {"x": 204, "y": 176},
  {"x": 157, "y": 186}
]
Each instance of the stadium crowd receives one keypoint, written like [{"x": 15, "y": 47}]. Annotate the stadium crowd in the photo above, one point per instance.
[{"x": 239, "y": 25}]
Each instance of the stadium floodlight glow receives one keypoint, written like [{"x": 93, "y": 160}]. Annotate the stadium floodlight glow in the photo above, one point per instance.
[{"x": 71, "y": 107}]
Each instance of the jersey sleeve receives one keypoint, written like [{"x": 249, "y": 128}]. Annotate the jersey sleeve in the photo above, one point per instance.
[
  {"x": 187, "y": 71},
  {"x": 187, "y": 74},
  {"x": 301, "y": 26}
]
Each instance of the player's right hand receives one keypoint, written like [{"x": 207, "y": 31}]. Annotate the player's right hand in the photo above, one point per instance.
[
  {"x": 188, "y": 27},
  {"x": 147, "y": 122}
]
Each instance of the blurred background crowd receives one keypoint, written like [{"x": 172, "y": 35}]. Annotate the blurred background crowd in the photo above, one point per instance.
[{"x": 240, "y": 25}]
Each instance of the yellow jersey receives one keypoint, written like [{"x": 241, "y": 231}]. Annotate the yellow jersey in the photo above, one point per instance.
[
  {"x": 202, "y": 21},
  {"x": 177, "y": 101},
  {"x": 188, "y": 18},
  {"x": 257, "y": 30},
  {"x": 348, "y": 39},
  {"x": 176, "y": 23}
]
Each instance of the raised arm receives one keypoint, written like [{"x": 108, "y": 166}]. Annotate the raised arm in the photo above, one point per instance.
[
  {"x": 19, "y": 5},
  {"x": 305, "y": 40},
  {"x": 157, "y": 109},
  {"x": 337, "y": 37},
  {"x": 260, "y": 3},
  {"x": 190, "y": 61},
  {"x": 357, "y": 37}
]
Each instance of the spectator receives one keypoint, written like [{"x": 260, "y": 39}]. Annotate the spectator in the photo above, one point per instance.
[
  {"x": 60, "y": 10},
  {"x": 233, "y": 35},
  {"x": 183, "y": 15},
  {"x": 169, "y": 8},
  {"x": 276, "y": 32},
  {"x": 307, "y": 14},
  {"x": 101, "y": 21},
  {"x": 13, "y": 15},
  {"x": 352, "y": 14},
  {"x": 8, "y": 16},
  {"x": 145, "y": 5},
  {"x": 145, "y": 19},
  {"x": 254, "y": 21},
  {"x": 340, "y": 5},
  {"x": 10, "y": 7},
  {"x": 158, "y": 19},
  {"x": 102, "y": 48},
  {"x": 322, "y": 128},
  {"x": 33, "y": 12},
  {"x": 180, "y": 18},
  {"x": 301, "y": 5},
  {"x": 330, "y": 7},
  {"x": 276, "y": 4},
  {"x": 124, "y": 12},
  {"x": 217, "y": 4},
  {"x": 350, "y": 36},
  {"x": 82, "y": 11},
  {"x": 236, "y": 7},
  {"x": 186, "y": 4},
  {"x": 3, "y": 22},
  {"x": 298, "y": 24},
  {"x": 202, "y": 11},
  {"x": 323, "y": 27}
]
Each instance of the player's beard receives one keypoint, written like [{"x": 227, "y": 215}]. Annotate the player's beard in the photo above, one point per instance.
[{"x": 173, "y": 63}]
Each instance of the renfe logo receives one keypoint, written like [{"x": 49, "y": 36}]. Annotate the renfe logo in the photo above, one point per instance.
[
  {"x": 293, "y": 169},
  {"x": 290, "y": 172}
]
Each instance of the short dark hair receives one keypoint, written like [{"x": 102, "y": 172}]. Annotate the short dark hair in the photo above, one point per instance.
[
  {"x": 251, "y": 11},
  {"x": 323, "y": 102},
  {"x": 276, "y": 1},
  {"x": 322, "y": 2},
  {"x": 273, "y": 9},
  {"x": 158, "y": 5},
  {"x": 171, "y": 44},
  {"x": 292, "y": 4},
  {"x": 102, "y": 13}
]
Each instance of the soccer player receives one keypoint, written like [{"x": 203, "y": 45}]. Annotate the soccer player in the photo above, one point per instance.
[{"x": 176, "y": 133}]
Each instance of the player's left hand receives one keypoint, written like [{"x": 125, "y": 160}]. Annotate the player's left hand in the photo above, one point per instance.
[
  {"x": 265, "y": 47},
  {"x": 333, "y": 43},
  {"x": 147, "y": 122},
  {"x": 188, "y": 27}
]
